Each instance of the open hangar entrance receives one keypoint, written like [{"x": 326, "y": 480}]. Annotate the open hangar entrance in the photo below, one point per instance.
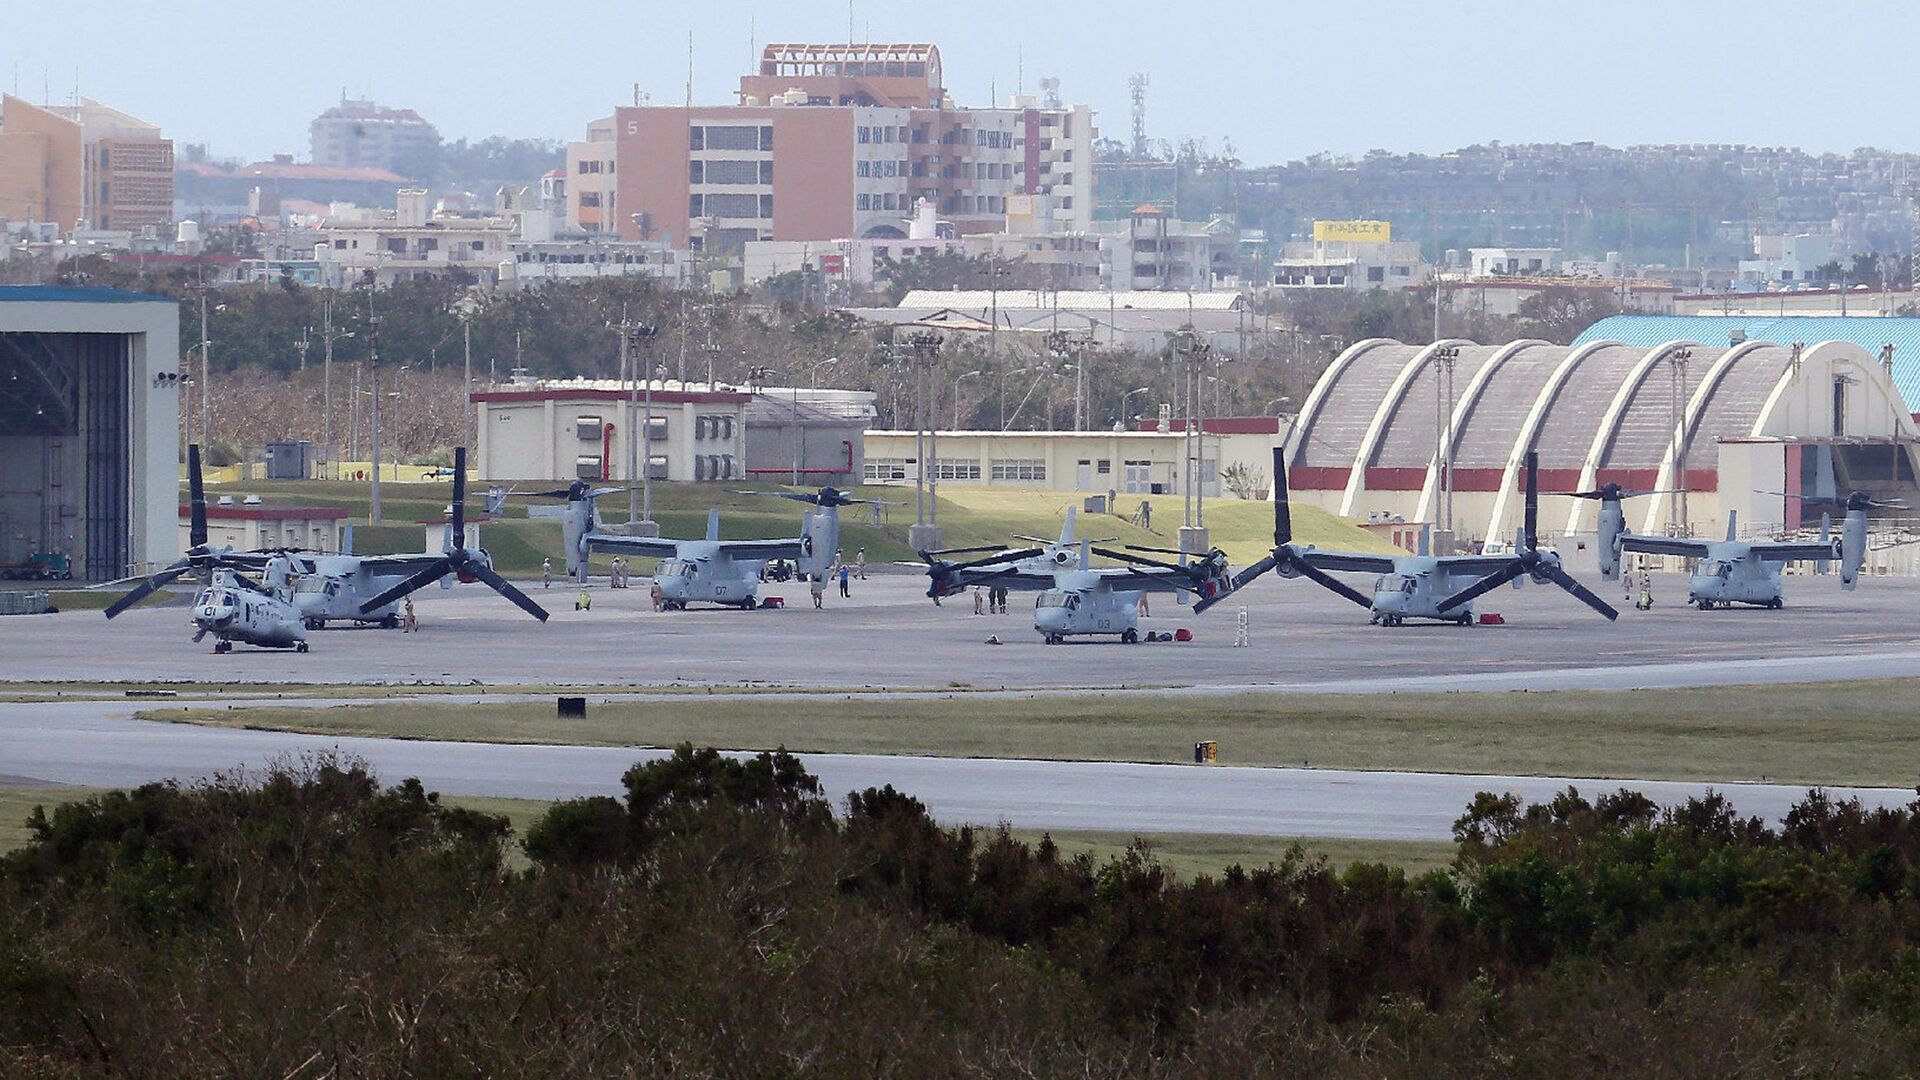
[{"x": 89, "y": 427}]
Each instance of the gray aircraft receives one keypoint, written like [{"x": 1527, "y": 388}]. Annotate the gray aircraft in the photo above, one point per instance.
[
  {"x": 708, "y": 570},
  {"x": 1733, "y": 571},
  {"x": 233, "y": 608},
  {"x": 1046, "y": 556},
  {"x": 1419, "y": 586},
  {"x": 1081, "y": 600}
]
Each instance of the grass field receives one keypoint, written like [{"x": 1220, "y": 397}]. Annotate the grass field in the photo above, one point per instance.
[
  {"x": 968, "y": 516},
  {"x": 1853, "y": 733},
  {"x": 1185, "y": 854}
]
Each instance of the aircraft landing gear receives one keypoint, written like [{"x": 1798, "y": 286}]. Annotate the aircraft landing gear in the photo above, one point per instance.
[
  {"x": 1703, "y": 604},
  {"x": 1054, "y": 639},
  {"x": 223, "y": 646},
  {"x": 1389, "y": 620},
  {"x": 1464, "y": 620},
  {"x": 314, "y": 624},
  {"x": 1776, "y": 604},
  {"x": 391, "y": 622},
  {"x": 300, "y": 646},
  {"x": 1129, "y": 637}
]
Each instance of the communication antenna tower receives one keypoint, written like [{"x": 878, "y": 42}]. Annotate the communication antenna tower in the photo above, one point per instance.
[
  {"x": 1137, "y": 85},
  {"x": 1050, "y": 91}
]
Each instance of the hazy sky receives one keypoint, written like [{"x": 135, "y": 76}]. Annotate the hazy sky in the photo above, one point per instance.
[{"x": 1281, "y": 79}]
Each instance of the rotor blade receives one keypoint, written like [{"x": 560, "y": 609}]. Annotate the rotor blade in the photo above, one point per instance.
[
  {"x": 246, "y": 582},
  {"x": 436, "y": 570},
  {"x": 197, "y": 498},
  {"x": 1006, "y": 556},
  {"x": 1485, "y": 585},
  {"x": 966, "y": 550},
  {"x": 505, "y": 588},
  {"x": 459, "y": 497},
  {"x": 1282, "y": 516},
  {"x": 1533, "y": 499},
  {"x": 1161, "y": 550},
  {"x": 1327, "y": 581},
  {"x": 556, "y": 493},
  {"x": 148, "y": 587},
  {"x": 1239, "y": 582},
  {"x": 1564, "y": 580},
  {"x": 1138, "y": 560}
]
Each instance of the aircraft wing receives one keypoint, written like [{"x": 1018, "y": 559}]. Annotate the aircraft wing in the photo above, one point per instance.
[
  {"x": 1482, "y": 565},
  {"x": 405, "y": 565},
  {"x": 1006, "y": 576},
  {"x": 762, "y": 550},
  {"x": 1348, "y": 560},
  {"x": 1788, "y": 551},
  {"x": 654, "y": 547},
  {"x": 1149, "y": 579},
  {"x": 1663, "y": 545}
]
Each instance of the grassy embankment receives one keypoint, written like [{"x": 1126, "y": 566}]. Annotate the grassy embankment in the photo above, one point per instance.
[{"x": 1851, "y": 733}]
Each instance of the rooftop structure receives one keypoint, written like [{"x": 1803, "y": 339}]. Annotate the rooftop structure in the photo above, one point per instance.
[{"x": 361, "y": 133}]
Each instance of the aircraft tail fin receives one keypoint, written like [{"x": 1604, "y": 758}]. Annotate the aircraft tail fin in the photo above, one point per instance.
[
  {"x": 1066, "y": 527},
  {"x": 1426, "y": 540},
  {"x": 713, "y": 524},
  {"x": 1733, "y": 525}
]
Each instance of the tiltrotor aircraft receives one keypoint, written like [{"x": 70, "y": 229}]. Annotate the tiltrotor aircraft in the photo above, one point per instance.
[
  {"x": 1420, "y": 586},
  {"x": 1082, "y": 600},
  {"x": 1733, "y": 571},
  {"x": 708, "y": 570}
]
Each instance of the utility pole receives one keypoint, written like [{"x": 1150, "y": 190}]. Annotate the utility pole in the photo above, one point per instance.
[
  {"x": 1444, "y": 360},
  {"x": 305, "y": 342},
  {"x": 1677, "y": 396},
  {"x": 326, "y": 378},
  {"x": 373, "y": 358},
  {"x": 633, "y": 335}
]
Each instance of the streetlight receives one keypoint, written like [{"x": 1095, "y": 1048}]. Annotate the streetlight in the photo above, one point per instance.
[
  {"x": 1121, "y": 420},
  {"x": 1004, "y": 376},
  {"x": 1268, "y": 407},
  {"x": 956, "y": 395}
]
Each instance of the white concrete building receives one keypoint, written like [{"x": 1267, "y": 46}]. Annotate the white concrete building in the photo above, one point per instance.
[
  {"x": 1505, "y": 261},
  {"x": 1785, "y": 260},
  {"x": 248, "y": 525},
  {"x": 1343, "y": 256},
  {"x": 1144, "y": 460},
  {"x": 582, "y": 429},
  {"x": 89, "y": 427}
]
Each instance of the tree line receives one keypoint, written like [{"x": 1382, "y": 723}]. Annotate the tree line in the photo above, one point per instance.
[{"x": 724, "y": 918}]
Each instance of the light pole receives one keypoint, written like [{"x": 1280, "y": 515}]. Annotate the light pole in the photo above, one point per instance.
[
  {"x": 1676, "y": 402},
  {"x": 373, "y": 359},
  {"x": 1121, "y": 419},
  {"x": 206, "y": 370},
  {"x": 1004, "y": 376},
  {"x": 632, "y": 335},
  {"x": 1443, "y": 400},
  {"x": 1268, "y": 407},
  {"x": 466, "y": 308},
  {"x": 956, "y": 395}
]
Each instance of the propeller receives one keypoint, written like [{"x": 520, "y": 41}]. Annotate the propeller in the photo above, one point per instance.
[
  {"x": 458, "y": 560},
  {"x": 826, "y": 496},
  {"x": 198, "y": 556},
  {"x": 1858, "y": 500},
  {"x": 965, "y": 550},
  {"x": 574, "y": 492},
  {"x": 941, "y": 572},
  {"x": 1612, "y": 492},
  {"x": 1285, "y": 558},
  {"x": 1529, "y": 561}
]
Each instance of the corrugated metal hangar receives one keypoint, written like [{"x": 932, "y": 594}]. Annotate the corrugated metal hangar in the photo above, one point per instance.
[
  {"x": 1710, "y": 425},
  {"x": 89, "y": 427}
]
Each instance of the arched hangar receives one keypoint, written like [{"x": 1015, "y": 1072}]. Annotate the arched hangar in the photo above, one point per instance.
[{"x": 1401, "y": 430}]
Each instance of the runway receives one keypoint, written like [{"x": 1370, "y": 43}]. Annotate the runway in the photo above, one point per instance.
[
  {"x": 889, "y": 635},
  {"x": 96, "y": 744}
]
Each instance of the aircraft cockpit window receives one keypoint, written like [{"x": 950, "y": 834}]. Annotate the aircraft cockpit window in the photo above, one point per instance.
[
  {"x": 1408, "y": 586},
  {"x": 230, "y": 600},
  {"x": 1052, "y": 599}
]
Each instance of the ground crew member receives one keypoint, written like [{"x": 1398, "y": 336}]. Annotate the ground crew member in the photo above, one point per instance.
[
  {"x": 584, "y": 603},
  {"x": 546, "y": 573},
  {"x": 979, "y": 600},
  {"x": 409, "y": 623},
  {"x": 1646, "y": 592},
  {"x": 860, "y": 564},
  {"x": 818, "y": 584},
  {"x": 845, "y": 572},
  {"x": 656, "y": 595}
]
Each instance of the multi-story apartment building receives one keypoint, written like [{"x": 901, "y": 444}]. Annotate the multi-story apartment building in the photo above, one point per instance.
[
  {"x": 835, "y": 141},
  {"x": 127, "y": 169},
  {"x": 588, "y": 181},
  {"x": 358, "y": 133},
  {"x": 41, "y": 163}
]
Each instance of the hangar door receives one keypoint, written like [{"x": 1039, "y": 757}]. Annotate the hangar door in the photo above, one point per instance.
[{"x": 64, "y": 450}]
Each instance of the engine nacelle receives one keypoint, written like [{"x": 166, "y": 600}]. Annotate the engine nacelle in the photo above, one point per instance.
[{"x": 1853, "y": 547}]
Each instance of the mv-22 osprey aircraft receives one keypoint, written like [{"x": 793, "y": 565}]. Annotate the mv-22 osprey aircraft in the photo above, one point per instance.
[
  {"x": 1419, "y": 586},
  {"x": 1043, "y": 558},
  {"x": 709, "y": 570},
  {"x": 233, "y": 607},
  {"x": 1081, "y": 600},
  {"x": 1734, "y": 571}
]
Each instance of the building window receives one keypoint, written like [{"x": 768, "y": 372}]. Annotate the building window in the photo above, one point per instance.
[
  {"x": 695, "y": 207},
  {"x": 766, "y": 172},
  {"x": 1018, "y": 469},
  {"x": 589, "y": 198},
  {"x": 864, "y": 135},
  {"x": 766, "y": 136},
  {"x": 733, "y": 206},
  {"x": 734, "y": 172},
  {"x": 696, "y": 172},
  {"x": 696, "y": 138},
  {"x": 862, "y": 201},
  {"x": 957, "y": 469},
  {"x": 733, "y": 138},
  {"x": 766, "y": 206},
  {"x": 1376, "y": 273},
  {"x": 862, "y": 168},
  {"x": 886, "y": 470}
]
